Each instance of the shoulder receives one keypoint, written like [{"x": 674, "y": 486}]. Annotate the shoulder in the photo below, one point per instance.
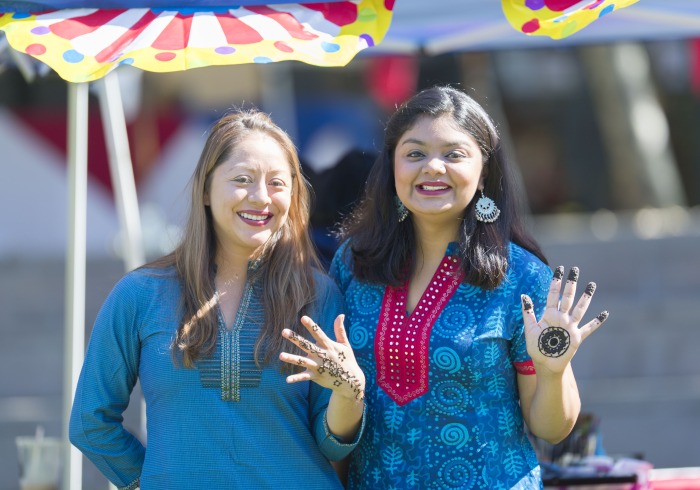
[
  {"x": 144, "y": 283},
  {"x": 341, "y": 268},
  {"x": 344, "y": 253},
  {"x": 521, "y": 257},
  {"x": 328, "y": 302},
  {"x": 324, "y": 283},
  {"x": 526, "y": 267}
]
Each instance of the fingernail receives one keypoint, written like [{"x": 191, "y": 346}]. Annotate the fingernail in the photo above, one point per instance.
[
  {"x": 590, "y": 289},
  {"x": 603, "y": 316},
  {"x": 527, "y": 302},
  {"x": 558, "y": 273},
  {"x": 573, "y": 274}
]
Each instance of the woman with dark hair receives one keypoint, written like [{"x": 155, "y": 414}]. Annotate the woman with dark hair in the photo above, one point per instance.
[
  {"x": 443, "y": 288},
  {"x": 203, "y": 330}
]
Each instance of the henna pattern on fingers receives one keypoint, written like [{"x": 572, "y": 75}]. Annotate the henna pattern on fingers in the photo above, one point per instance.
[
  {"x": 590, "y": 289},
  {"x": 554, "y": 341},
  {"x": 341, "y": 356},
  {"x": 315, "y": 327},
  {"x": 527, "y": 302},
  {"x": 573, "y": 275},
  {"x": 558, "y": 273},
  {"x": 305, "y": 344},
  {"x": 603, "y": 316}
]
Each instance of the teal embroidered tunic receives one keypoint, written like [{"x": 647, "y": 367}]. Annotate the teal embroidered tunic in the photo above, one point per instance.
[
  {"x": 226, "y": 424},
  {"x": 442, "y": 401}
]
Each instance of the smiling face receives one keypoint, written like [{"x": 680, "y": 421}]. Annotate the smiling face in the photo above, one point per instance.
[
  {"x": 438, "y": 169},
  {"x": 249, "y": 194}
]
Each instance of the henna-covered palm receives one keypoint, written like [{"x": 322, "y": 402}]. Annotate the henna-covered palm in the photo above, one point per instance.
[
  {"x": 554, "y": 340},
  {"x": 329, "y": 363}
]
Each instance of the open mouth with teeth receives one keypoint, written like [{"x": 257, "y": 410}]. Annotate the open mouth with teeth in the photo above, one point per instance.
[
  {"x": 432, "y": 188},
  {"x": 255, "y": 219}
]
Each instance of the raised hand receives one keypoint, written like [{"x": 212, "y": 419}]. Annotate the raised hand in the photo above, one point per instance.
[
  {"x": 329, "y": 363},
  {"x": 554, "y": 340}
]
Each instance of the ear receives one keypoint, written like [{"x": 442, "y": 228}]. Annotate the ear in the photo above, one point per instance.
[{"x": 482, "y": 178}]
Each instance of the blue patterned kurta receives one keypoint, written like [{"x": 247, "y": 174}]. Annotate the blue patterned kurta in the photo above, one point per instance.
[
  {"x": 225, "y": 424},
  {"x": 467, "y": 431}
]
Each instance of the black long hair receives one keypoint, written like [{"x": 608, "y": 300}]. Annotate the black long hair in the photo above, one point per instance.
[{"x": 383, "y": 248}]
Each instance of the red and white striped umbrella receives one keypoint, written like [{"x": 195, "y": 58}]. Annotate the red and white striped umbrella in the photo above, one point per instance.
[{"x": 86, "y": 43}]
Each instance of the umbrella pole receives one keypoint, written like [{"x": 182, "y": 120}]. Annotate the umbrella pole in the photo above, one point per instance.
[
  {"x": 121, "y": 170},
  {"x": 74, "y": 348}
]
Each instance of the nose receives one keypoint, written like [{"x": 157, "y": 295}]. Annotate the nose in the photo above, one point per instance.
[
  {"x": 434, "y": 166},
  {"x": 258, "y": 194}
]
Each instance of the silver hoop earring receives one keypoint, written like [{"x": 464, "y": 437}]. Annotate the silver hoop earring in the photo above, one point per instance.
[
  {"x": 486, "y": 209},
  {"x": 400, "y": 209}
]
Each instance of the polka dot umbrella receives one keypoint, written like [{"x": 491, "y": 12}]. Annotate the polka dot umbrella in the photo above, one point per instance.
[
  {"x": 84, "y": 44},
  {"x": 557, "y": 18}
]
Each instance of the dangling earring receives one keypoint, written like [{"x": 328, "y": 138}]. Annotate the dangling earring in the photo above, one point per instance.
[
  {"x": 400, "y": 209},
  {"x": 486, "y": 209}
]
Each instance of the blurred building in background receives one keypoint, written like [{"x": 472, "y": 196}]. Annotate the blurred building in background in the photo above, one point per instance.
[{"x": 604, "y": 137}]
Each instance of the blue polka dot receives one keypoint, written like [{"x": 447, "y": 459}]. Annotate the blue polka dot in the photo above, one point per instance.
[
  {"x": 127, "y": 61},
  {"x": 606, "y": 10},
  {"x": 72, "y": 56},
  {"x": 330, "y": 47},
  {"x": 20, "y": 15},
  {"x": 262, "y": 59}
]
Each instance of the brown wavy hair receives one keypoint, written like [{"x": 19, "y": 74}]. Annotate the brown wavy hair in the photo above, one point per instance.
[
  {"x": 382, "y": 247},
  {"x": 286, "y": 262}
]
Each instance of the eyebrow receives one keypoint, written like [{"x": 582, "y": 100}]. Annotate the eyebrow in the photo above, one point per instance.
[{"x": 423, "y": 143}]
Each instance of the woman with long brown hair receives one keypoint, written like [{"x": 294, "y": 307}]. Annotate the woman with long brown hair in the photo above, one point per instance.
[{"x": 203, "y": 328}]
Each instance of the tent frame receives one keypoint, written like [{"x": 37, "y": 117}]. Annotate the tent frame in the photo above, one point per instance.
[{"x": 124, "y": 188}]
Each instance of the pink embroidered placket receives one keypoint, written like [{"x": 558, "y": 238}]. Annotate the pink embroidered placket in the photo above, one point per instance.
[{"x": 401, "y": 342}]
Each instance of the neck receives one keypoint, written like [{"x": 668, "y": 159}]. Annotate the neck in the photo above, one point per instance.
[
  {"x": 431, "y": 241},
  {"x": 230, "y": 266}
]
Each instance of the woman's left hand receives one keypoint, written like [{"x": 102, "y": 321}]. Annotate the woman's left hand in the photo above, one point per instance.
[
  {"x": 554, "y": 340},
  {"x": 329, "y": 363}
]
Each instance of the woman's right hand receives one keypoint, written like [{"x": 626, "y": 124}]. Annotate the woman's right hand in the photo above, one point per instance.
[{"x": 329, "y": 363}]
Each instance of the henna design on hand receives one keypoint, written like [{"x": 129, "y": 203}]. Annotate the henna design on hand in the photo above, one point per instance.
[
  {"x": 590, "y": 289},
  {"x": 554, "y": 341},
  {"x": 603, "y": 316},
  {"x": 558, "y": 273},
  {"x": 573, "y": 274},
  {"x": 315, "y": 327},
  {"x": 527, "y": 303},
  {"x": 336, "y": 371},
  {"x": 330, "y": 366}
]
